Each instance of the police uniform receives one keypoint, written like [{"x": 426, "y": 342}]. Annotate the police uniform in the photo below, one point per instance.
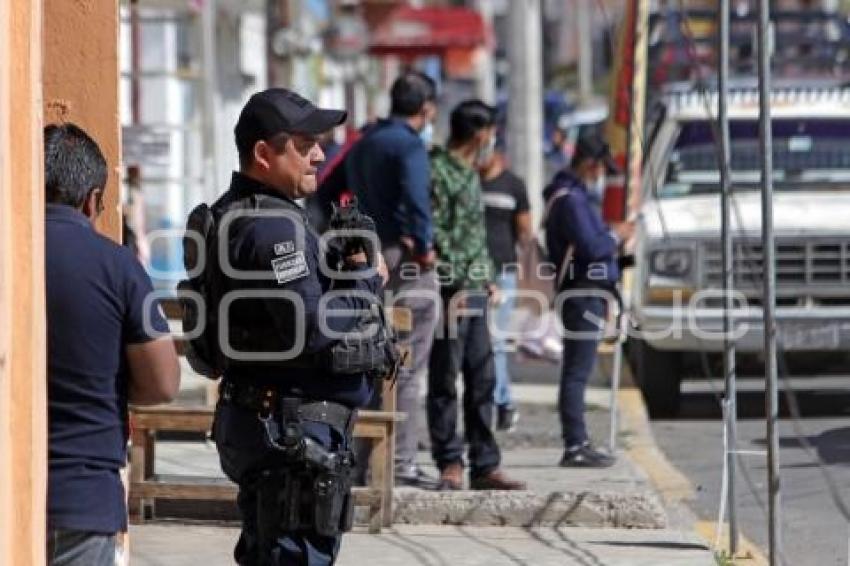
[{"x": 283, "y": 424}]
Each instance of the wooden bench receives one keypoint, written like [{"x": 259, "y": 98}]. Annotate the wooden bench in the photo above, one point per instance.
[
  {"x": 146, "y": 485},
  {"x": 377, "y": 427}
]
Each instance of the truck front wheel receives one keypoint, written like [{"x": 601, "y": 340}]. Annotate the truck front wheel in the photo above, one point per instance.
[{"x": 658, "y": 373}]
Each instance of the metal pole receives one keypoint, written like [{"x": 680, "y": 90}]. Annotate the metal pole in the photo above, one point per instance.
[
  {"x": 616, "y": 372},
  {"x": 485, "y": 83},
  {"x": 769, "y": 270},
  {"x": 280, "y": 14},
  {"x": 211, "y": 103},
  {"x": 584, "y": 37},
  {"x": 731, "y": 413},
  {"x": 525, "y": 111}
]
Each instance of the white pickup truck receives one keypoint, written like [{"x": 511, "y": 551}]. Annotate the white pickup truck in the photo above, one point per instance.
[{"x": 675, "y": 295}]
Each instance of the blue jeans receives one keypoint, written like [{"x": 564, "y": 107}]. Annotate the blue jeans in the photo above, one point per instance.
[
  {"x": 577, "y": 365},
  {"x": 77, "y": 548},
  {"x": 243, "y": 452},
  {"x": 507, "y": 282}
]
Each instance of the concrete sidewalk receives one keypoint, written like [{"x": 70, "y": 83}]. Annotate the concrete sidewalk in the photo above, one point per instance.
[
  {"x": 621, "y": 496},
  {"x": 190, "y": 545},
  {"x": 566, "y": 517}
]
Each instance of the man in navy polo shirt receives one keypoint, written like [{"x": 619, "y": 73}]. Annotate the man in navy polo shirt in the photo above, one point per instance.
[{"x": 105, "y": 346}]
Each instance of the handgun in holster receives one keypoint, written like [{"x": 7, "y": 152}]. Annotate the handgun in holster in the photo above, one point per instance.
[{"x": 312, "y": 491}]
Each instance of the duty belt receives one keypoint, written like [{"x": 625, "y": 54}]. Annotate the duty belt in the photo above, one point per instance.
[{"x": 265, "y": 401}]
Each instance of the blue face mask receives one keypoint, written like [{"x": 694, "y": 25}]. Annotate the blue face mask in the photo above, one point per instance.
[{"x": 426, "y": 134}]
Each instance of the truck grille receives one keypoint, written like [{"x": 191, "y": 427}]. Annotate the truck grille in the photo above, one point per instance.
[{"x": 815, "y": 263}]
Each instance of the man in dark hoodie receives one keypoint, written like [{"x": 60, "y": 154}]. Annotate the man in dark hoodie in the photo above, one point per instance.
[{"x": 584, "y": 250}]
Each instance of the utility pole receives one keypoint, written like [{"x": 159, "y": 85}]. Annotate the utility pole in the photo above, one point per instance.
[
  {"x": 730, "y": 411},
  {"x": 274, "y": 16},
  {"x": 765, "y": 48},
  {"x": 281, "y": 16},
  {"x": 584, "y": 37},
  {"x": 211, "y": 104},
  {"x": 485, "y": 74},
  {"x": 525, "y": 107}
]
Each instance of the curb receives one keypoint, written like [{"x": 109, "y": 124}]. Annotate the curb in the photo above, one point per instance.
[
  {"x": 529, "y": 509},
  {"x": 748, "y": 554},
  {"x": 673, "y": 486}
]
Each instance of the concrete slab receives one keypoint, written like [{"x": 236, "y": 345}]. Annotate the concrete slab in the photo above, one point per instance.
[
  {"x": 620, "y": 496},
  {"x": 616, "y": 497},
  {"x": 189, "y": 545},
  {"x": 527, "y": 508}
]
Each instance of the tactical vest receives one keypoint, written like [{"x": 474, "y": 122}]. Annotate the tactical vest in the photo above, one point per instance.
[{"x": 251, "y": 327}]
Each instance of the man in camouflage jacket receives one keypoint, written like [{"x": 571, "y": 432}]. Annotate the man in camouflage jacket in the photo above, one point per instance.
[{"x": 465, "y": 271}]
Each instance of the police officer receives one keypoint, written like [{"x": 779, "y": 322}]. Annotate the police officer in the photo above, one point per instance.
[
  {"x": 584, "y": 250},
  {"x": 287, "y": 406}
]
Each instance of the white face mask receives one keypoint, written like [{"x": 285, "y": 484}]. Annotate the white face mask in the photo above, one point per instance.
[
  {"x": 485, "y": 153},
  {"x": 426, "y": 134},
  {"x": 597, "y": 188}
]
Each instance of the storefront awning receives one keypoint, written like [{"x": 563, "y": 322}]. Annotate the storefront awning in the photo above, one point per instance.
[{"x": 436, "y": 30}]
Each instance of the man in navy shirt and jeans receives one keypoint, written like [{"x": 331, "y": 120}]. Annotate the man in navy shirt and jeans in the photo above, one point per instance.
[{"x": 106, "y": 345}]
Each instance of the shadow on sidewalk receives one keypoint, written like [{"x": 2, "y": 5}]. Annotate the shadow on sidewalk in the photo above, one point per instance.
[{"x": 581, "y": 556}]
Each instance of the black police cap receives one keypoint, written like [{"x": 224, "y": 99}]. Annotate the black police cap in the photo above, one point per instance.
[
  {"x": 278, "y": 110},
  {"x": 592, "y": 146}
]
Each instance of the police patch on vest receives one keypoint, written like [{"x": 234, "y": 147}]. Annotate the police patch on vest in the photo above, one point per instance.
[
  {"x": 281, "y": 248},
  {"x": 290, "y": 267}
]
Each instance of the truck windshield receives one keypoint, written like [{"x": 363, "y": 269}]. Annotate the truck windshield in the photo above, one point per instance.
[{"x": 808, "y": 154}]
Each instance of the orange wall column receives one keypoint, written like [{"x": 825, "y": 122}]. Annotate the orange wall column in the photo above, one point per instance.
[
  {"x": 23, "y": 419},
  {"x": 81, "y": 84},
  {"x": 60, "y": 58}
]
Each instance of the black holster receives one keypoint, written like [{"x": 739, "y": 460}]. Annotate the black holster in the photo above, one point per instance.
[
  {"x": 293, "y": 499},
  {"x": 311, "y": 491}
]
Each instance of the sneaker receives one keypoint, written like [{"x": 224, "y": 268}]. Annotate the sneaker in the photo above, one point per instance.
[
  {"x": 414, "y": 476},
  {"x": 586, "y": 456},
  {"x": 451, "y": 478},
  {"x": 496, "y": 480},
  {"x": 507, "y": 417}
]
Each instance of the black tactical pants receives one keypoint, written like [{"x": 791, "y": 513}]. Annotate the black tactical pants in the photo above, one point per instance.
[{"x": 243, "y": 451}]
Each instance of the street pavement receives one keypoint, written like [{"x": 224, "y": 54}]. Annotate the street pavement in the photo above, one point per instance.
[{"x": 814, "y": 531}]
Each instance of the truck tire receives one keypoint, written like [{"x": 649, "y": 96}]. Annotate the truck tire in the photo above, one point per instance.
[{"x": 658, "y": 374}]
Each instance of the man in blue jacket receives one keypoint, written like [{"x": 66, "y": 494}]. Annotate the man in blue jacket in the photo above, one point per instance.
[
  {"x": 584, "y": 250},
  {"x": 388, "y": 171}
]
